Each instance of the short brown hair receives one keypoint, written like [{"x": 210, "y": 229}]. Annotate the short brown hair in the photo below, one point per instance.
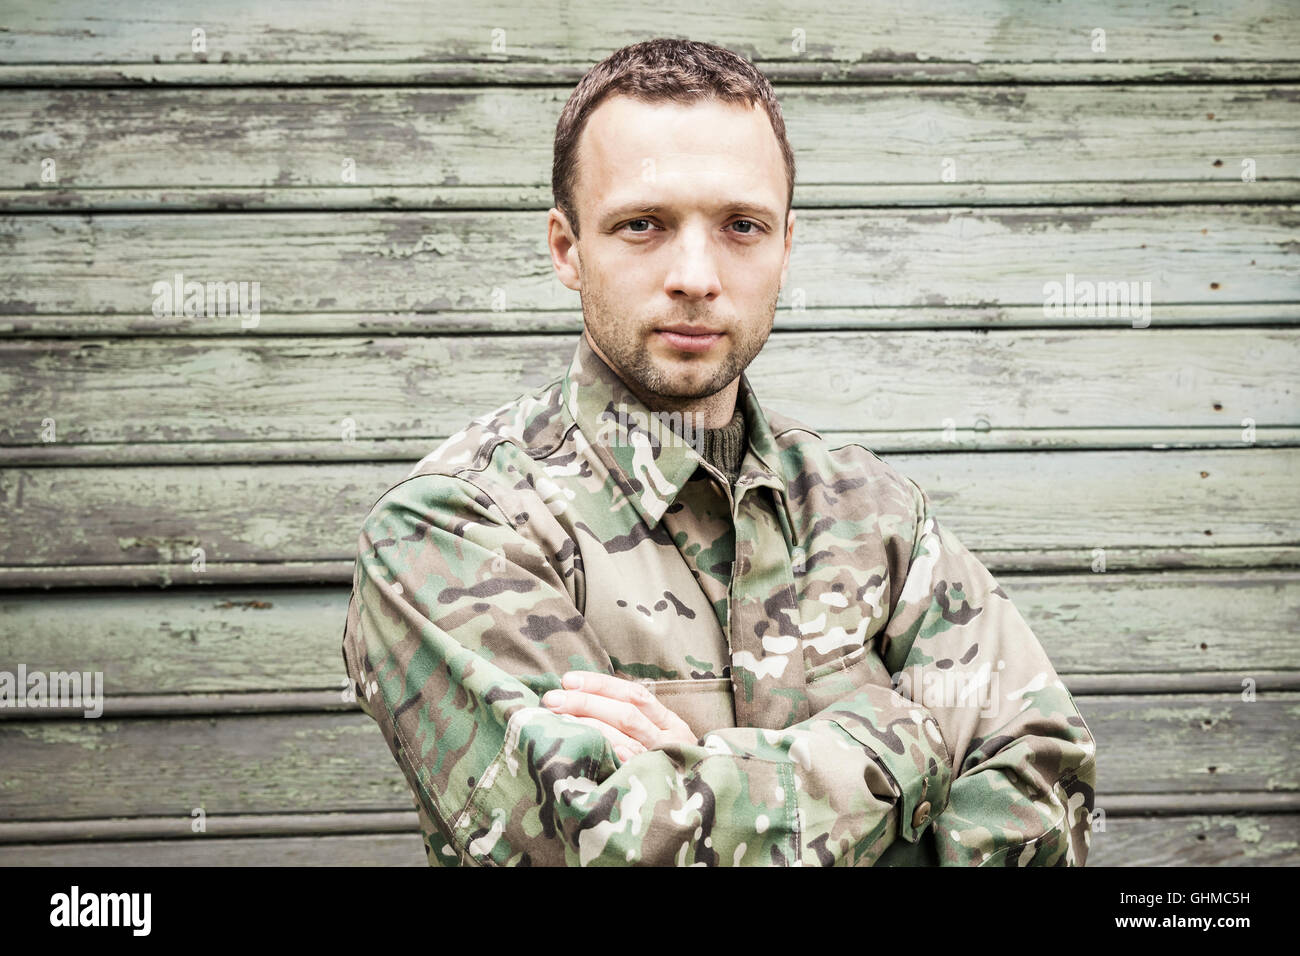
[{"x": 653, "y": 71}]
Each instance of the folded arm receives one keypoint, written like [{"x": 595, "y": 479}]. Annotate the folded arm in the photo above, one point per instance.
[
  {"x": 461, "y": 621},
  {"x": 1024, "y": 757}
]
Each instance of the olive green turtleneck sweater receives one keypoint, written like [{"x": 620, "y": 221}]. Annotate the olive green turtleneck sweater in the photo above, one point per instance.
[{"x": 724, "y": 447}]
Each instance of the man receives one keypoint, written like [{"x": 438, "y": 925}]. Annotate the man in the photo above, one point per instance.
[{"x": 632, "y": 618}]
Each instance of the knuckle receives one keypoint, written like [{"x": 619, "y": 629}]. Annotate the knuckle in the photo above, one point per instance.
[{"x": 630, "y": 720}]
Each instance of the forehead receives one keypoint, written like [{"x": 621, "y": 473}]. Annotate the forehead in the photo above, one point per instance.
[{"x": 673, "y": 150}]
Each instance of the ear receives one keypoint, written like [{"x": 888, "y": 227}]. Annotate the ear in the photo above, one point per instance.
[
  {"x": 564, "y": 249},
  {"x": 789, "y": 244}
]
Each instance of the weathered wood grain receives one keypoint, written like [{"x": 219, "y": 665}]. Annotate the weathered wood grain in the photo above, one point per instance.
[
  {"x": 1180, "y": 622},
  {"x": 1238, "y": 840},
  {"x": 582, "y": 31},
  {"x": 117, "y": 391},
  {"x": 233, "y": 826},
  {"x": 1229, "y": 840},
  {"x": 261, "y": 764},
  {"x": 1248, "y": 681},
  {"x": 281, "y": 763},
  {"x": 1067, "y": 502},
  {"x": 464, "y": 73},
  {"x": 1159, "y": 744},
  {"x": 422, "y": 262},
  {"x": 453, "y": 147},
  {"x": 860, "y": 318},
  {"x": 901, "y": 441},
  {"x": 380, "y": 849},
  {"x": 338, "y": 571},
  {"x": 457, "y": 132},
  {"x": 1210, "y": 627},
  {"x": 118, "y": 199}
]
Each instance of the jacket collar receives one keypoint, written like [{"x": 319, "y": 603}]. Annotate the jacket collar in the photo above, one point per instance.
[{"x": 649, "y": 460}]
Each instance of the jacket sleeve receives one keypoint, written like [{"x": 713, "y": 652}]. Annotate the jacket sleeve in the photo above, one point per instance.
[
  {"x": 1024, "y": 758},
  {"x": 449, "y": 591}
]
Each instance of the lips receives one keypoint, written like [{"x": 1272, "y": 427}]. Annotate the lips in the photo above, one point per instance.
[{"x": 689, "y": 338}]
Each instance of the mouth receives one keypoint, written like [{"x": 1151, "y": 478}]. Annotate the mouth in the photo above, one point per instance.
[{"x": 689, "y": 338}]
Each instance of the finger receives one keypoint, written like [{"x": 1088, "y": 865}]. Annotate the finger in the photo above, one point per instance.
[
  {"x": 624, "y": 746},
  {"x": 607, "y": 685},
  {"x": 638, "y": 694},
  {"x": 618, "y": 714}
]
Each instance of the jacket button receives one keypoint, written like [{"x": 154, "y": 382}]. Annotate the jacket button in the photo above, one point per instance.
[{"x": 918, "y": 818}]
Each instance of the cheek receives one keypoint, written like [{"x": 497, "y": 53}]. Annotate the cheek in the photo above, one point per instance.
[{"x": 619, "y": 283}]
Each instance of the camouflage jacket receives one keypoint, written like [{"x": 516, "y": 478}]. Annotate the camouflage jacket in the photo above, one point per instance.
[{"x": 862, "y": 689}]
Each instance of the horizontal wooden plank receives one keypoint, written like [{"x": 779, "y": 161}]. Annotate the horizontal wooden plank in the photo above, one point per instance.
[
  {"x": 1095, "y": 501},
  {"x": 461, "y": 73},
  {"x": 121, "y": 830},
  {"x": 271, "y": 763},
  {"x": 863, "y": 318},
  {"x": 1182, "y": 622},
  {"x": 582, "y": 31},
  {"x": 262, "y": 825},
  {"x": 1187, "y": 804},
  {"x": 1237, "y": 840},
  {"x": 1183, "y": 625},
  {"x": 1216, "y": 682},
  {"x": 1146, "y": 506},
  {"x": 339, "y": 571},
  {"x": 882, "y": 442},
  {"x": 1249, "y": 680},
  {"x": 377, "y": 849},
  {"x": 1069, "y": 560},
  {"x": 435, "y": 147},
  {"x": 242, "y": 702},
  {"x": 116, "y": 391},
  {"x": 280, "y": 763},
  {"x": 54, "y": 198},
  {"x": 1193, "y": 743},
  {"x": 1233, "y": 840},
  {"x": 422, "y": 262}
]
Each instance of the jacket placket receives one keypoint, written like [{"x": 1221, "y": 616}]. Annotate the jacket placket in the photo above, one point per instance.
[{"x": 767, "y": 667}]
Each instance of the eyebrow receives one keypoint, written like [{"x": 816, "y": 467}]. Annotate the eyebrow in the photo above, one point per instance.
[{"x": 728, "y": 206}]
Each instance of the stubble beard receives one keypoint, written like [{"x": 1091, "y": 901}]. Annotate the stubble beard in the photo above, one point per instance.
[{"x": 630, "y": 354}]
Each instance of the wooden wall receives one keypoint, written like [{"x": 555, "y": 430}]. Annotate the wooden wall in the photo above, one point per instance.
[{"x": 395, "y": 307}]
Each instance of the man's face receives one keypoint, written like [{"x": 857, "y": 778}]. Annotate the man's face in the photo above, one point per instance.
[{"x": 684, "y": 247}]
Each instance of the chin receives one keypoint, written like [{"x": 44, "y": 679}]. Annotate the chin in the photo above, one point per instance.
[{"x": 689, "y": 388}]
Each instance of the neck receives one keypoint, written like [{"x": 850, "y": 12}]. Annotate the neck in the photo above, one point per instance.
[{"x": 712, "y": 411}]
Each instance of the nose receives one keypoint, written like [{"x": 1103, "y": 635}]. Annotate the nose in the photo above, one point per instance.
[{"x": 693, "y": 273}]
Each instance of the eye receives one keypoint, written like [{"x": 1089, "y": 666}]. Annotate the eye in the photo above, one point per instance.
[
  {"x": 630, "y": 222},
  {"x": 748, "y": 222}
]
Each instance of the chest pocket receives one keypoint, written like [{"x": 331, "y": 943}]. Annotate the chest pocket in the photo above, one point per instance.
[
  {"x": 844, "y": 675},
  {"x": 647, "y": 604},
  {"x": 842, "y": 607},
  {"x": 705, "y": 704}
]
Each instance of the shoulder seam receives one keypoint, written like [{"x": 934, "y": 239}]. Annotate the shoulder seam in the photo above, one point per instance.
[
  {"x": 486, "y": 452},
  {"x": 799, "y": 428},
  {"x": 457, "y": 475},
  {"x": 484, "y": 455},
  {"x": 848, "y": 444}
]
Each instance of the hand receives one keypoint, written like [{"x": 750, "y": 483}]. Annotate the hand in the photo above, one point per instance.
[{"x": 630, "y": 717}]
